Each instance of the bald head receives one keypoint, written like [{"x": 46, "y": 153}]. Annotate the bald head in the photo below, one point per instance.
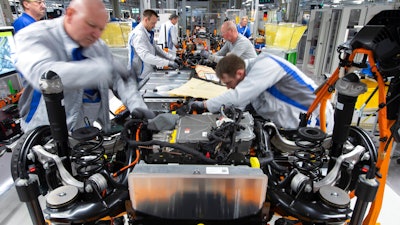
[
  {"x": 85, "y": 21},
  {"x": 229, "y": 31},
  {"x": 229, "y": 25}
]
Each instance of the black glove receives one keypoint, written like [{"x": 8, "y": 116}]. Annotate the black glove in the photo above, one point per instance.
[
  {"x": 204, "y": 53},
  {"x": 142, "y": 113},
  {"x": 173, "y": 65},
  {"x": 163, "y": 121},
  {"x": 179, "y": 61},
  {"x": 197, "y": 106}
]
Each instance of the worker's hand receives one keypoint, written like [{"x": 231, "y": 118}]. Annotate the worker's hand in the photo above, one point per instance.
[
  {"x": 179, "y": 61},
  {"x": 204, "y": 53},
  {"x": 197, "y": 106},
  {"x": 142, "y": 113},
  {"x": 173, "y": 65}
]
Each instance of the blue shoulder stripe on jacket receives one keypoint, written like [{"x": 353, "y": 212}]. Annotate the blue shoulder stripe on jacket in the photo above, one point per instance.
[{"x": 279, "y": 95}]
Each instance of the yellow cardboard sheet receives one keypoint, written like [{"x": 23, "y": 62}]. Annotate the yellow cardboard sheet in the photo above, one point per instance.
[{"x": 197, "y": 88}]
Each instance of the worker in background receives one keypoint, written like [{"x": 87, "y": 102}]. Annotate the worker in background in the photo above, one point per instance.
[
  {"x": 276, "y": 90},
  {"x": 144, "y": 53},
  {"x": 235, "y": 43},
  {"x": 243, "y": 28},
  {"x": 168, "y": 36},
  {"x": 71, "y": 47},
  {"x": 196, "y": 30},
  {"x": 33, "y": 11}
]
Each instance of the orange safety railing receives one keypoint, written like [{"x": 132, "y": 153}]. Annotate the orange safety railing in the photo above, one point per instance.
[{"x": 385, "y": 143}]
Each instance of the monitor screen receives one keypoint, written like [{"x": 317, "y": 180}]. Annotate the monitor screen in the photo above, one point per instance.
[{"x": 7, "y": 47}]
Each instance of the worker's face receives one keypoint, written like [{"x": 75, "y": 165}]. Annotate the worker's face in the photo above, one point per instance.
[
  {"x": 232, "y": 82},
  {"x": 150, "y": 23},
  {"x": 36, "y": 8},
  {"x": 174, "y": 21},
  {"x": 86, "y": 26},
  {"x": 226, "y": 33},
  {"x": 244, "y": 22}
]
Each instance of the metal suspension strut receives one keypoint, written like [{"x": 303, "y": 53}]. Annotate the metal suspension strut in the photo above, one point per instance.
[
  {"x": 52, "y": 90},
  {"x": 349, "y": 88}
]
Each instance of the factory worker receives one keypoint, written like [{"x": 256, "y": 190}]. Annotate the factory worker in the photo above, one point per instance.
[
  {"x": 33, "y": 11},
  {"x": 276, "y": 89},
  {"x": 144, "y": 53},
  {"x": 168, "y": 36},
  {"x": 235, "y": 43},
  {"x": 70, "y": 47},
  {"x": 243, "y": 28}
]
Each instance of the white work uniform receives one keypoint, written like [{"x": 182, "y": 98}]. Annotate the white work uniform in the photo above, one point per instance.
[
  {"x": 242, "y": 48},
  {"x": 144, "y": 53},
  {"x": 276, "y": 89},
  {"x": 45, "y": 46},
  {"x": 168, "y": 36}
]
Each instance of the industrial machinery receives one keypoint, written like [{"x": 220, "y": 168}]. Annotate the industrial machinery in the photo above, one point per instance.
[{"x": 227, "y": 168}]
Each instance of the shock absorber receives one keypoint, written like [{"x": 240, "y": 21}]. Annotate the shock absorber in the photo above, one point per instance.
[
  {"x": 309, "y": 157},
  {"x": 52, "y": 90},
  {"x": 349, "y": 88},
  {"x": 88, "y": 154}
]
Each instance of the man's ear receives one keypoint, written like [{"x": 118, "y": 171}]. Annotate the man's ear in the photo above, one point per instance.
[
  {"x": 26, "y": 4},
  {"x": 69, "y": 12},
  {"x": 240, "y": 73}
]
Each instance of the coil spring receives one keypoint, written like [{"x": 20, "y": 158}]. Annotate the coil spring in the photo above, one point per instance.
[
  {"x": 89, "y": 157},
  {"x": 309, "y": 160}
]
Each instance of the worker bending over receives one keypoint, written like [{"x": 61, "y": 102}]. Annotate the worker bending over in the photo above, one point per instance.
[
  {"x": 276, "y": 89},
  {"x": 71, "y": 47}
]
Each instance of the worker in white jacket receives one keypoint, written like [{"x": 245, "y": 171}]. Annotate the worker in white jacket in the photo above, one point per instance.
[
  {"x": 276, "y": 89},
  {"x": 168, "y": 36},
  {"x": 144, "y": 53},
  {"x": 55, "y": 45}
]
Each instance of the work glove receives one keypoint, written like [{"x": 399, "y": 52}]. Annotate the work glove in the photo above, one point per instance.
[
  {"x": 142, "y": 113},
  {"x": 164, "y": 121},
  {"x": 173, "y": 65},
  {"x": 197, "y": 106},
  {"x": 204, "y": 53},
  {"x": 179, "y": 61}
]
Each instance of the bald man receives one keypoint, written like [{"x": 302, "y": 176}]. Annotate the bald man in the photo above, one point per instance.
[
  {"x": 235, "y": 43},
  {"x": 70, "y": 46}
]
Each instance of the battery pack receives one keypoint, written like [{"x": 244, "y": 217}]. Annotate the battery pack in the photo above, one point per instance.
[{"x": 193, "y": 192}]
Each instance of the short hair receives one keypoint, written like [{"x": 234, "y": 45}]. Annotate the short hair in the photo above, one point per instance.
[
  {"x": 229, "y": 65},
  {"x": 149, "y": 12},
  {"x": 21, "y": 2},
  {"x": 173, "y": 16},
  {"x": 229, "y": 25}
]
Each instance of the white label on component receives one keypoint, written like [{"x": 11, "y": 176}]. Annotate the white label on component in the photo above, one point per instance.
[
  {"x": 204, "y": 133},
  {"x": 217, "y": 170}
]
